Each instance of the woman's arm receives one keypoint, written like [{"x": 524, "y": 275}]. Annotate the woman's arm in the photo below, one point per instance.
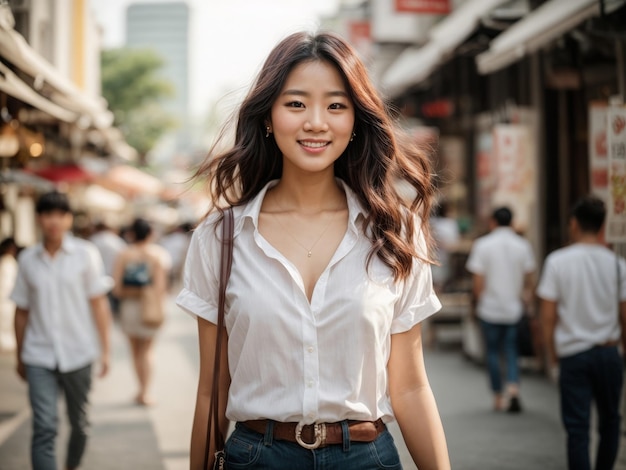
[
  {"x": 413, "y": 402},
  {"x": 207, "y": 336}
]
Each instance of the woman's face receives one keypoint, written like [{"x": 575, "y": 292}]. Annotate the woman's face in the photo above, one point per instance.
[{"x": 313, "y": 118}]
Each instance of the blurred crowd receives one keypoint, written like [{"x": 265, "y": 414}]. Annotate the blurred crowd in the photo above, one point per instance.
[{"x": 171, "y": 244}]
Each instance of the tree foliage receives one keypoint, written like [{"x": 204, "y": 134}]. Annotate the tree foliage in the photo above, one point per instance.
[{"x": 134, "y": 91}]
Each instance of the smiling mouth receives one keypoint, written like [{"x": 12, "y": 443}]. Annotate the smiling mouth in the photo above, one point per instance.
[{"x": 314, "y": 145}]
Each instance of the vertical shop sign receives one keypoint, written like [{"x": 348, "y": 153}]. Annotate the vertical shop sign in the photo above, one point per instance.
[
  {"x": 439, "y": 7},
  {"x": 485, "y": 180},
  {"x": 598, "y": 153},
  {"x": 515, "y": 174},
  {"x": 616, "y": 146}
]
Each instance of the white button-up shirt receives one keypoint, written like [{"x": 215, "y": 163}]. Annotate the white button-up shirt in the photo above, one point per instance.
[
  {"x": 291, "y": 360},
  {"x": 503, "y": 258},
  {"x": 61, "y": 331}
]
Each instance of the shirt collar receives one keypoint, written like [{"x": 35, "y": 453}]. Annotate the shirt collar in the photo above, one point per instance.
[
  {"x": 253, "y": 208},
  {"x": 68, "y": 245}
]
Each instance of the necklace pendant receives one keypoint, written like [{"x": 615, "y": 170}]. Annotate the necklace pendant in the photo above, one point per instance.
[{"x": 309, "y": 254}]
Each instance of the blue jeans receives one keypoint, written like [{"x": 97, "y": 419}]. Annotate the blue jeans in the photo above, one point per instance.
[
  {"x": 594, "y": 375},
  {"x": 246, "y": 449},
  {"x": 43, "y": 389},
  {"x": 497, "y": 337}
]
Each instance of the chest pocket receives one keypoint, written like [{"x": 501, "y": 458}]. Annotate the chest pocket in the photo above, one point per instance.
[{"x": 137, "y": 275}]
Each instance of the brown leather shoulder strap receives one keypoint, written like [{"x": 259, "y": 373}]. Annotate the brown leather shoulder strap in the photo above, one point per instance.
[{"x": 213, "y": 428}]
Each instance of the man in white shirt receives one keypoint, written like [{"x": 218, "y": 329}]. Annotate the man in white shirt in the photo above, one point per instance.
[
  {"x": 583, "y": 313},
  {"x": 62, "y": 323},
  {"x": 502, "y": 264}
]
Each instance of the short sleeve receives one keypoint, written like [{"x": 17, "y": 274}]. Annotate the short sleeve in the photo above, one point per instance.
[
  {"x": 417, "y": 299},
  {"x": 199, "y": 296},
  {"x": 98, "y": 283},
  {"x": 475, "y": 263},
  {"x": 548, "y": 286},
  {"x": 19, "y": 295},
  {"x": 529, "y": 259}
]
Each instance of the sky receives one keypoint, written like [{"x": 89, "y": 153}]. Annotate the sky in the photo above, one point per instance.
[{"x": 229, "y": 39}]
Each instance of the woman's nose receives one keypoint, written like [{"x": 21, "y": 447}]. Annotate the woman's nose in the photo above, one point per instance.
[{"x": 316, "y": 121}]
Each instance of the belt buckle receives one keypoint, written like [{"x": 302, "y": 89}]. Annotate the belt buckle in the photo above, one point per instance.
[{"x": 320, "y": 435}]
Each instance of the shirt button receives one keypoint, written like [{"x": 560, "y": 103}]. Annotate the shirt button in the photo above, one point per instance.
[
  {"x": 311, "y": 415},
  {"x": 310, "y": 349},
  {"x": 310, "y": 383}
]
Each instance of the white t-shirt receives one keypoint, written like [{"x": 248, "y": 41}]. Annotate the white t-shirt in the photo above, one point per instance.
[
  {"x": 61, "y": 330},
  {"x": 291, "y": 360},
  {"x": 582, "y": 279},
  {"x": 503, "y": 258}
]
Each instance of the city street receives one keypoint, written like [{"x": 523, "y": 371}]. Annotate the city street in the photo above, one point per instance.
[{"x": 125, "y": 436}]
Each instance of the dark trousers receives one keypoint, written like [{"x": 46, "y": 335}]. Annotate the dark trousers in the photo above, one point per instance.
[
  {"x": 591, "y": 376},
  {"x": 500, "y": 337},
  {"x": 43, "y": 391}
]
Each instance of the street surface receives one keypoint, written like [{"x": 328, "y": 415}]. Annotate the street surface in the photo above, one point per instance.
[{"x": 125, "y": 436}]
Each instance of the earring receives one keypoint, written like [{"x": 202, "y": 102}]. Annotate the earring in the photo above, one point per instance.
[
  {"x": 267, "y": 131},
  {"x": 353, "y": 136}
]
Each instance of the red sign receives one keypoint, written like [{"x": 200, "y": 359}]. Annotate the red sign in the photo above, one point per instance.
[
  {"x": 438, "y": 109},
  {"x": 439, "y": 7}
]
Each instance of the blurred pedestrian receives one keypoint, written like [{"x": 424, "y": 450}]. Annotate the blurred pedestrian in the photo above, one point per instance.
[
  {"x": 446, "y": 236},
  {"x": 110, "y": 245},
  {"x": 8, "y": 274},
  {"x": 502, "y": 264},
  {"x": 583, "y": 313},
  {"x": 176, "y": 244},
  {"x": 142, "y": 263},
  {"x": 330, "y": 277},
  {"x": 62, "y": 324}
]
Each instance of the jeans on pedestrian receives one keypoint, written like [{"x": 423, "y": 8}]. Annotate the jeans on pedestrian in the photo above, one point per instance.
[
  {"x": 596, "y": 376},
  {"x": 500, "y": 336},
  {"x": 43, "y": 389},
  {"x": 247, "y": 449}
]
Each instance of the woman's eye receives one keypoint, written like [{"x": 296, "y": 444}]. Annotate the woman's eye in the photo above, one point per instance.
[
  {"x": 337, "y": 106},
  {"x": 295, "y": 104}
]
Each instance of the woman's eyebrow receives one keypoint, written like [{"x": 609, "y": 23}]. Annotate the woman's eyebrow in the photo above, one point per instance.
[{"x": 294, "y": 92}]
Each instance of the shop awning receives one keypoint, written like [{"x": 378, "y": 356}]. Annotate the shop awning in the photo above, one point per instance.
[
  {"x": 536, "y": 30},
  {"x": 130, "y": 181},
  {"x": 14, "y": 48},
  {"x": 24, "y": 178},
  {"x": 14, "y": 86},
  {"x": 65, "y": 174},
  {"x": 97, "y": 198},
  {"x": 416, "y": 63}
]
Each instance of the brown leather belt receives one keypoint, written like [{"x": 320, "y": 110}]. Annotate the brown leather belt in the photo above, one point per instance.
[
  {"x": 610, "y": 344},
  {"x": 312, "y": 436}
]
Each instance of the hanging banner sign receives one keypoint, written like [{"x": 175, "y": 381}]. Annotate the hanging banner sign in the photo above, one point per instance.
[
  {"x": 514, "y": 171},
  {"x": 616, "y": 147},
  {"x": 435, "y": 7},
  {"x": 598, "y": 153}
]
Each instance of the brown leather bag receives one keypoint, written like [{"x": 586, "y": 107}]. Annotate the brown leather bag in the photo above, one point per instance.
[
  {"x": 213, "y": 428},
  {"x": 152, "y": 313}
]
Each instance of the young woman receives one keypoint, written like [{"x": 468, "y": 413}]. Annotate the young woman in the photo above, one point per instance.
[
  {"x": 142, "y": 263},
  {"x": 330, "y": 277}
]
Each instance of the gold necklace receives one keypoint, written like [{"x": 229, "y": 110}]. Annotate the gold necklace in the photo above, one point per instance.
[{"x": 309, "y": 251}]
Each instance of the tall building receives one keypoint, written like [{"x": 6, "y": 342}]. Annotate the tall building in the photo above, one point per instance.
[{"x": 164, "y": 28}]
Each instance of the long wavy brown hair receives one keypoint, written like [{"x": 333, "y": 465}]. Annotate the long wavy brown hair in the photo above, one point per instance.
[{"x": 375, "y": 160}]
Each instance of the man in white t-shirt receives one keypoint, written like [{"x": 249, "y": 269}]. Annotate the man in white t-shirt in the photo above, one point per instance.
[
  {"x": 583, "y": 310},
  {"x": 502, "y": 264}
]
